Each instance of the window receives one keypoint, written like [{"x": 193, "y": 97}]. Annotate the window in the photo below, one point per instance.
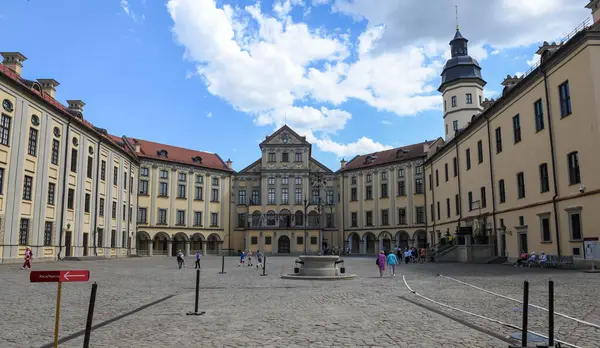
[
  {"x": 124, "y": 239},
  {"x": 271, "y": 196},
  {"x": 468, "y": 158},
  {"x": 385, "y": 217},
  {"x": 254, "y": 240},
  {"x": 48, "y": 233},
  {"x": 271, "y": 181},
  {"x": 143, "y": 187},
  {"x": 299, "y": 240},
  {"x": 455, "y": 125},
  {"x": 103, "y": 170},
  {"x": 214, "y": 195},
  {"x": 163, "y": 174},
  {"x": 498, "y": 140},
  {"x": 298, "y": 180},
  {"x": 369, "y": 218},
  {"x": 431, "y": 212},
  {"x": 51, "y": 191},
  {"x": 113, "y": 238},
  {"x": 142, "y": 215},
  {"x": 255, "y": 197},
  {"x": 419, "y": 170},
  {"x": 401, "y": 188},
  {"x": 545, "y": 229},
  {"x": 198, "y": 218},
  {"x": 24, "y": 232},
  {"x": 242, "y": 197},
  {"x": 480, "y": 100},
  {"x": 115, "y": 175},
  {"x": 101, "y": 207},
  {"x": 544, "y": 182},
  {"x": 298, "y": 157},
  {"x": 439, "y": 216},
  {"x": 516, "y": 128},
  {"x": 457, "y": 204},
  {"x": 354, "y": 220},
  {"x": 86, "y": 205},
  {"x": 455, "y": 166},
  {"x": 285, "y": 196},
  {"x": 470, "y": 201},
  {"x": 268, "y": 240},
  {"x": 100, "y": 237},
  {"x": 445, "y": 108},
  {"x": 5, "y": 130},
  {"x": 182, "y": 177},
  {"x": 401, "y": 172},
  {"x": 298, "y": 196},
  {"x": 520, "y": 185},
  {"x": 198, "y": 193},
  {"x": 90, "y": 166},
  {"x": 241, "y": 220},
  {"x": 181, "y": 188},
  {"x": 70, "y": 198},
  {"x": 453, "y": 101},
  {"x": 27, "y": 188},
  {"x": 353, "y": 195},
  {"x": 565, "y": 99},
  {"x": 329, "y": 220},
  {"x": 430, "y": 182},
  {"x": 125, "y": 181},
  {"x": 284, "y": 157},
  {"x": 384, "y": 191},
  {"x": 55, "y": 149},
  {"x": 539, "y": 115},
  {"x": 214, "y": 217},
  {"x": 316, "y": 199},
  {"x": 285, "y": 180},
  {"x": 162, "y": 217},
  {"x": 420, "y": 215},
  {"x": 329, "y": 196},
  {"x": 446, "y": 124},
  {"x": 163, "y": 189},
  {"x": 437, "y": 178},
  {"x": 501, "y": 191},
  {"x": 199, "y": 179},
  {"x": 181, "y": 217},
  {"x": 114, "y": 210},
  {"x": 369, "y": 194},
  {"x": 74, "y": 160},
  {"x": 144, "y": 171},
  {"x": 402, "y": 216},
  {"x": 573, "y": 162},
  {"x": 446, "y": 171},
  {"x": 469, "y": 98},
  {"x": 419, "y": 189},
  {"x": 521, "y": 221},
  {"x": 369, "y": 178},
  {"x": 575, "y": 226},
  {"x": 483, "y": 198},
  {"x": 383, "y": 176},
  {"x": 32, "y": 145},
  {"x": 271, "y": 157},
  {"x": 448, "y": 207},
  {"x": 479, "y": 151}
]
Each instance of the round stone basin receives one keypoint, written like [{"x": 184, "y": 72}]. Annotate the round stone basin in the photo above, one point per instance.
[{"x": 319, "y": 267}]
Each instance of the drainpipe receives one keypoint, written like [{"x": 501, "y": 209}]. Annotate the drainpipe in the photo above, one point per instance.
[
  {"x": 230, "y": 211},
  {"x": 342, "y": 197},
  {"x": 432, "y": 199},
  {"x": 492, "y": 181},
  {"x": 64, "y": 189},
  {"x": 97, "y": 194},
  {"x": 553, "y": 154},
  {"x": 129, "y": 210},
  {"x": 460, "y": 214}
]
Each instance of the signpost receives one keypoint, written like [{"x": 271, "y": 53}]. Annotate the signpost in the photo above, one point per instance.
[{"x": 58, "y": 277}]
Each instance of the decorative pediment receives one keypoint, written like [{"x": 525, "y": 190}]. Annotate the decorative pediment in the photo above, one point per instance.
[
  {"x": 284, "y": 136},
  {"x": 253, "y": 168}
]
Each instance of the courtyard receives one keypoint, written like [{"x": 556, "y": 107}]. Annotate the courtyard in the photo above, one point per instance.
[{"x": 142, "y": 302}]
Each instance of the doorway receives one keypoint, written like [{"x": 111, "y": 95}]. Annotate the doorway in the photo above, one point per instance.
[
  {"x": 85, "y": 244},
  {"x": 68, "y": 243},
  {"x": 283, "y": 245},
  {"x": 523, "y": 243},
  {"x": 503, "y": 245}
]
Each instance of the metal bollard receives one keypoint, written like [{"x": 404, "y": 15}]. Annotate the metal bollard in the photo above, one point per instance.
[
  {"x": 222, "y": 265},
  {"x": 551, "y": 313},
  {"x": 525, "y": 313},
  {"x": 264, "y": 273},
  {"x": 195, "y": 312},
  {"x": 88, "y": 323}
]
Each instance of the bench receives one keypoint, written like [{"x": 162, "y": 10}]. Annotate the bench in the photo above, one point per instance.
[{"x": 554, "y": 261}]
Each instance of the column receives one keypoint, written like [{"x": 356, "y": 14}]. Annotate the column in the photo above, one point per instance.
[
  {"x": 220, "y": 247},
  {"x": 261, "y": 241},
  {"x": 376, "y": 194},
  {"x": 392, "y": 182},
  {"x": 186, "y": 252},
  {"x": 204, "y": 247},
  {"x": 247, "y": 240},
  {"x": 207, "y": 196},
  {"x": 321, "y": 241},
  {"x": 380, "y": 245},
  {"x": 169, "y": 248},
  {"x": 293, "y": 242},
  {"x": 361, "y": 197},
  {"x": 150, "y": 246},
  {"x": 274, "y": 244},
  {"x": 363, "y": 246}
]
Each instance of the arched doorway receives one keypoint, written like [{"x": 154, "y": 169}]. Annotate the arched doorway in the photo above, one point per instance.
[
  {"x": 179, "y": 240},
  {"x": 285, "y": 219},
  {"x": 385, "y": 239},
  {"x": 402, "y": 239},
  {"x": 256, "y": 217},
  {"x": 299, "y": 218},
  {"x": 354, "y": 243},
  {"x": 271, "y": 218},
  {"x": 143, "y": 241},
  {"x": 212, "y": 243},
  {"x": 197, "y": 240},
  {"x": 420, "y": 238},
  {"x": 283, "y": 245},
  {"x": 369, "y": 239},
  {"x": 161, "y": 241},
  {"x": 313, "y": 219}
]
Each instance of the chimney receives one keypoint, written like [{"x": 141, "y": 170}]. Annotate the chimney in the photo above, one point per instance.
[
  {"x": 343, "y": 163},
  {"x": 426, "y": 147},
  {"x": 49, "y": 86},
  {"x": 546, "y": 49},
  {"x": 138, "y": 146},
  {"x": 594, "y": 5},
  {"x": 229, "y": 163},
  {"x": 76, "y": 106},
  {"x": 13, "y": 61}
]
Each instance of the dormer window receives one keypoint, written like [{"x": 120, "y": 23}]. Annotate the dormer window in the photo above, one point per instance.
[
  {"x": 401, "y": 153},
  {"x": 197, "y": 159},
  {"x": 163, "y": 153},
  {"x": 37, "y": 87}
]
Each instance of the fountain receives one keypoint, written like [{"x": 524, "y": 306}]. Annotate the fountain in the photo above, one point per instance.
[{"x": 313, "y": 267}]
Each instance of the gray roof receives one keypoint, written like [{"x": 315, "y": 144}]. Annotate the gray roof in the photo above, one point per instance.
[{"x": 461, "y": 65}]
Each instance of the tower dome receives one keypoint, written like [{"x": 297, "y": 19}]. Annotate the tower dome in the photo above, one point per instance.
[{"x": 461, "y": 65}]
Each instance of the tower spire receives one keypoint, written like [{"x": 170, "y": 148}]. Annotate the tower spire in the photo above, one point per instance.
[{"x": 456, "y": 9}]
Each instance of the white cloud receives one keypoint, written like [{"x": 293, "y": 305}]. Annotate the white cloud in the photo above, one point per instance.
[
  {"x": 489, "y": 94},
  {"x": 534, "y": 60},
  {"x": 124, "y": 4},
  {"x": 319, "y": 2},
  {"x": 283, "y": 7},
  {"x": 386, "y": 122},
  {"x": 209, "y": 115},
  {"x": 361, "y": 146}
]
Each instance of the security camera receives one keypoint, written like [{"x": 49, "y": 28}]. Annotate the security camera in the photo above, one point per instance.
[{"x": 582, "y": 188}]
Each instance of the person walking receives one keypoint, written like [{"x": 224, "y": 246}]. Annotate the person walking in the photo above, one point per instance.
[
  {"x": 197, "y": 264},
  {"x": 249, "y": 258},
  {"x": 242, "y": 256},
  {"x": 407, "y": 254},
  {"x": 381, "y": 263},
  {"x": 392, "y": 261},
  {"x": 180, "y": 261},
  {"x": 259, "y": 257},
  {"x": 28, "y": 258}
]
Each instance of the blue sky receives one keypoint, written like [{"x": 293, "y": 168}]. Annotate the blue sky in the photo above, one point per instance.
[{"x": 219, "y": 76}]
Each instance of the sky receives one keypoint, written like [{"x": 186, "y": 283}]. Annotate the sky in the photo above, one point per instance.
[{"x": 353, "y": 76}]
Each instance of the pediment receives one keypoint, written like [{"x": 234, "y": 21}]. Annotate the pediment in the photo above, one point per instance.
[
  {"x": 284, "y": 136},
  {"x": 255, "y": 167},
  {"x": 316, "y": 166}
]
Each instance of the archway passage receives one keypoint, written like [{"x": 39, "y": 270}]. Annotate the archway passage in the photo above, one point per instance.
[
  {"x": 285, "y": 219},
  {"x": 196, "y": 242},
  {"x": 179, "y": 240},
  {"x": 143, "y": 242},
  {"x": 369, "y": 239},
  {"x": 386, "y": 241},
  {"x": 402, "y": 239},
  {"x": 421, "y": 239},
  {"x": 283, "y": 245},
  {"x": 161, "y": 242},
  {"x": 354, "y": 243},
  {"x": 212, "y": 243}
]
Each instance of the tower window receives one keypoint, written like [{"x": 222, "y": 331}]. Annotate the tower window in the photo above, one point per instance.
[
  {"x": 455, "y": 125},
  {"x": 454, "y": 101},
  {"x": 469, "y": 98}
]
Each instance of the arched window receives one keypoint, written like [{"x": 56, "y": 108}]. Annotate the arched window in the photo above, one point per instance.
[
  {"x": 299, "y": 218},
  {"x": 271, "y": 218},
  {"x": 163, "y": 153}
]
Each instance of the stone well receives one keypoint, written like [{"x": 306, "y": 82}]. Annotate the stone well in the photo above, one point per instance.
[{"x": 313, "y": 267}]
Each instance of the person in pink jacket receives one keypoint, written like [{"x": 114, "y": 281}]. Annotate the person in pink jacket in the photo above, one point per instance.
[{"x": 381, "y": 263}]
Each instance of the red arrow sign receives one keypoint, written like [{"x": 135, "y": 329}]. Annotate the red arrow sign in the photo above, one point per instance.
[{"x": 59, "y": 276}]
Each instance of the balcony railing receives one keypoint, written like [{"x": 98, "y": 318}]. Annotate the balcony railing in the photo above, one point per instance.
[{"x": 276, "y": 221}]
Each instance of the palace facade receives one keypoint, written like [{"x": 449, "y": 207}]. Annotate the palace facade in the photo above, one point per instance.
[{"x": 517, "y": 173}]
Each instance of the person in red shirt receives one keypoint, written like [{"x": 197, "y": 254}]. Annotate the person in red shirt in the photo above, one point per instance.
[{"x": 28, "y": 257}]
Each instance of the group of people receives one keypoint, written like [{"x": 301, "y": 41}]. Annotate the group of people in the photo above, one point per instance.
[
  {"x": 248, "y": 255},
  {"x": 533, "y": 259},
  {"x": 181, "y": 260},
  {"x": 395, "y": 258}
]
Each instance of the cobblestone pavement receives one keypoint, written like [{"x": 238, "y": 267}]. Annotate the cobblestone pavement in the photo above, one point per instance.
[{"x": 245, "y": 309}]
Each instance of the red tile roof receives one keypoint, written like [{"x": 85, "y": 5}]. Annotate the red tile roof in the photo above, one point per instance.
[
  {"x": 60, "y": 107},
  {"x": 398, "y": 154},
  {"x": 149, "y": 149}
]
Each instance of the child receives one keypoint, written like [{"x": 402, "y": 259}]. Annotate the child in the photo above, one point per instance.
[
  {"x": 242, "y": 258},
  {"x": 28, "y": 257},
  {"x": 249, "y": 258},
  {"x": 259, "y": 257}
]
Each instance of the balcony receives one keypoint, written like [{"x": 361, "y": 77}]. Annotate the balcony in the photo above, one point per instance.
[{"x": 282, "y": 221}]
